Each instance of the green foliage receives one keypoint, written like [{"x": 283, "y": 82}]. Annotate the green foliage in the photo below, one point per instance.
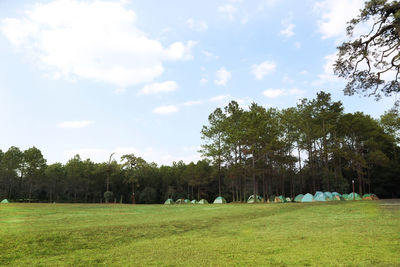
[{"x": 371, "y": 61}]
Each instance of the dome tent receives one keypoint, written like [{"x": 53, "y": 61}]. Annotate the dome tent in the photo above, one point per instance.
[
  {"x": 4, "y": 201},
  {"x": 298, "y": 198},
  {"x": 187, "y": 201},
  {"x": 328, "y": 195},
  {"x": 251, "y": 199},
  {"x": 279, "y": 199},
  {"x": 350, "y": 196},
  {"x": 307, "y": 198},
  {"x": 370, "y": 197},
  {"x": 317, "y": 193},
  {"x": 320, "y": 196},
  {"x": 180, "y": 201},
  {"x": 194, "y": 201},
  {"x": 169, "y": 201},
  {"x": 203, "y": 201},
  {"x": 219, "y": 200}
]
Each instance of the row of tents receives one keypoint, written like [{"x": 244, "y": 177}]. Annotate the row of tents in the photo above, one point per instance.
[
  {"x": 318, "y": 196},
  {"x": 170, "y": 201}
]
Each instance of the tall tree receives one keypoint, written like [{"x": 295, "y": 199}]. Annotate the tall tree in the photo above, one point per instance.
[
  {"x": 214, "y": 135},
  {"x": 133, "y": 166}
]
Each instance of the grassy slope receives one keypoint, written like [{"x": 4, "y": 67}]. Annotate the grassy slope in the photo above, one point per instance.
[{"x": 324, "y": 234}]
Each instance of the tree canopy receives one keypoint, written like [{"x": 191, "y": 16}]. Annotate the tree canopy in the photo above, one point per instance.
[{"x": 371, "y": 61}]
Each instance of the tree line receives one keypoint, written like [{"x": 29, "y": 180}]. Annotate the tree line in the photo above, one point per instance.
[{"x": 313, "y": 146}]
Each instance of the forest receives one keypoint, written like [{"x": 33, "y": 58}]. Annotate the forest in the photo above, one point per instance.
[{"x": 314, "y": 146}]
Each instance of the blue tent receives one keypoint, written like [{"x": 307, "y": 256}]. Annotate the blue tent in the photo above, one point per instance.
[
  {"x": 328, "y": 195},
  {"x": 307, "y": 198},
  {"x": 319, "y": 196},
  {"x": 298, "y": 198}
]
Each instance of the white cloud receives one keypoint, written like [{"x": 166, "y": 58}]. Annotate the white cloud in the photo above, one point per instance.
[
  {"x": 197, "y": 25},
  {"x": 273, "y": 93},
  {"x": 262, "y": 69},
  {"x": 192, "y": 103},
  {"x": 219, "y": 98},
  {"x": 74, "y": 124},
  {"x": 155, "y": 88},
  {"x": 209, "y": 54},
  {"x": 335, "y": 14},
  {"x": 229, "y": 10},
  {"x": 164, "y": 110},
  {"x": 222, "y": 76},
  {"x": 304, "y": 72},
  {"x": 288, "y": 31},
  {"x": 203, "y": 80},
  {"x": 96, "y": 40},
  {"x": 327, "y": 76}
]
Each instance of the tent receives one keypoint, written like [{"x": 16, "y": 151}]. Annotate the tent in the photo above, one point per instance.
[
  {"x": 320, "y": 196},
  {"x": 194, "y": 201},
  {"x": 187, "y": 201},
  {"x": 370, "y": 197},
  {"x": 298, "y": 198},
  {"x": 251, "y": 199},
  {"x": 203, "y": 201},
  {"x": 288, "y": 199},
  {"x": 169, "y": 201},
  {"x": 336, "y": 194},
  {"x": 279, "y": 199},
  {"x": 307, "y": 198},
  {"x": 328, "y": 195},
  {"x": 345, "y": 196},
  {"x": 350, "y": 197},
  {"x": 219, "y": 200},
  {"x": 317, "y": 193},
  {"x": 180, "y": 201},
  {"x": 4, "y": 201}
]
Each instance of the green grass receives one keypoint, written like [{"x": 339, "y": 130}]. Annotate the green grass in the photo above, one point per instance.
[{"x": 364, "y": 233}]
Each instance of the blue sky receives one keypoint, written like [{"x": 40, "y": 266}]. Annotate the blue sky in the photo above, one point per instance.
[{"x": 96, "y": 77}]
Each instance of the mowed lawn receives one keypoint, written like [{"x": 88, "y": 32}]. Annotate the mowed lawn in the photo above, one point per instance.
[{"x": 346, "y": 233}]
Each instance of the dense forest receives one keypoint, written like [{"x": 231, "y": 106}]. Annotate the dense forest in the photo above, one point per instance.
[{"x": 312, "y": 146}]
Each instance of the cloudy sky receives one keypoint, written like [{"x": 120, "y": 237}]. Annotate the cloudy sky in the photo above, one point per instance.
[{"x": 96, "y": 77}]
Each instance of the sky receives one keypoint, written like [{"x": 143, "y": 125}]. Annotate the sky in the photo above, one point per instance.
[{"x": 97, "y": 77}]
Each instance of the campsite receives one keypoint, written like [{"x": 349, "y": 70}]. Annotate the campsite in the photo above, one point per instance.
[{"x": 199, "y": 133}]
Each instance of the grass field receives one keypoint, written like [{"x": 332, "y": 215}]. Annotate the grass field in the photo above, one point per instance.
[{"x": 347, "y": 233}]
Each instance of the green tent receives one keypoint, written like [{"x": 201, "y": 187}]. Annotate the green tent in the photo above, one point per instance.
[
  {"x": 319, "y": 196},
  {"x": 336, "y": 194},
  {"x": 370, "y": 197},
  {"x": 307, "y": 198},
  {"x": 251, "y": 199},
  {"x": 219, "y": 200},
  {"x": 279, "y": 199},
  {"x": 298, "y": 198},
  {"x": 194, "y": 201},
  {"x": 169, "y": 201},
  {"x": 187, "y": 201},
  {"x": 180, "y": 201},
  {"x": 203, "y": 201},
  {"x": 345, "y": 196},
  {"x": 357, "y": 196},
  {"x": 4, "y": 201}
]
